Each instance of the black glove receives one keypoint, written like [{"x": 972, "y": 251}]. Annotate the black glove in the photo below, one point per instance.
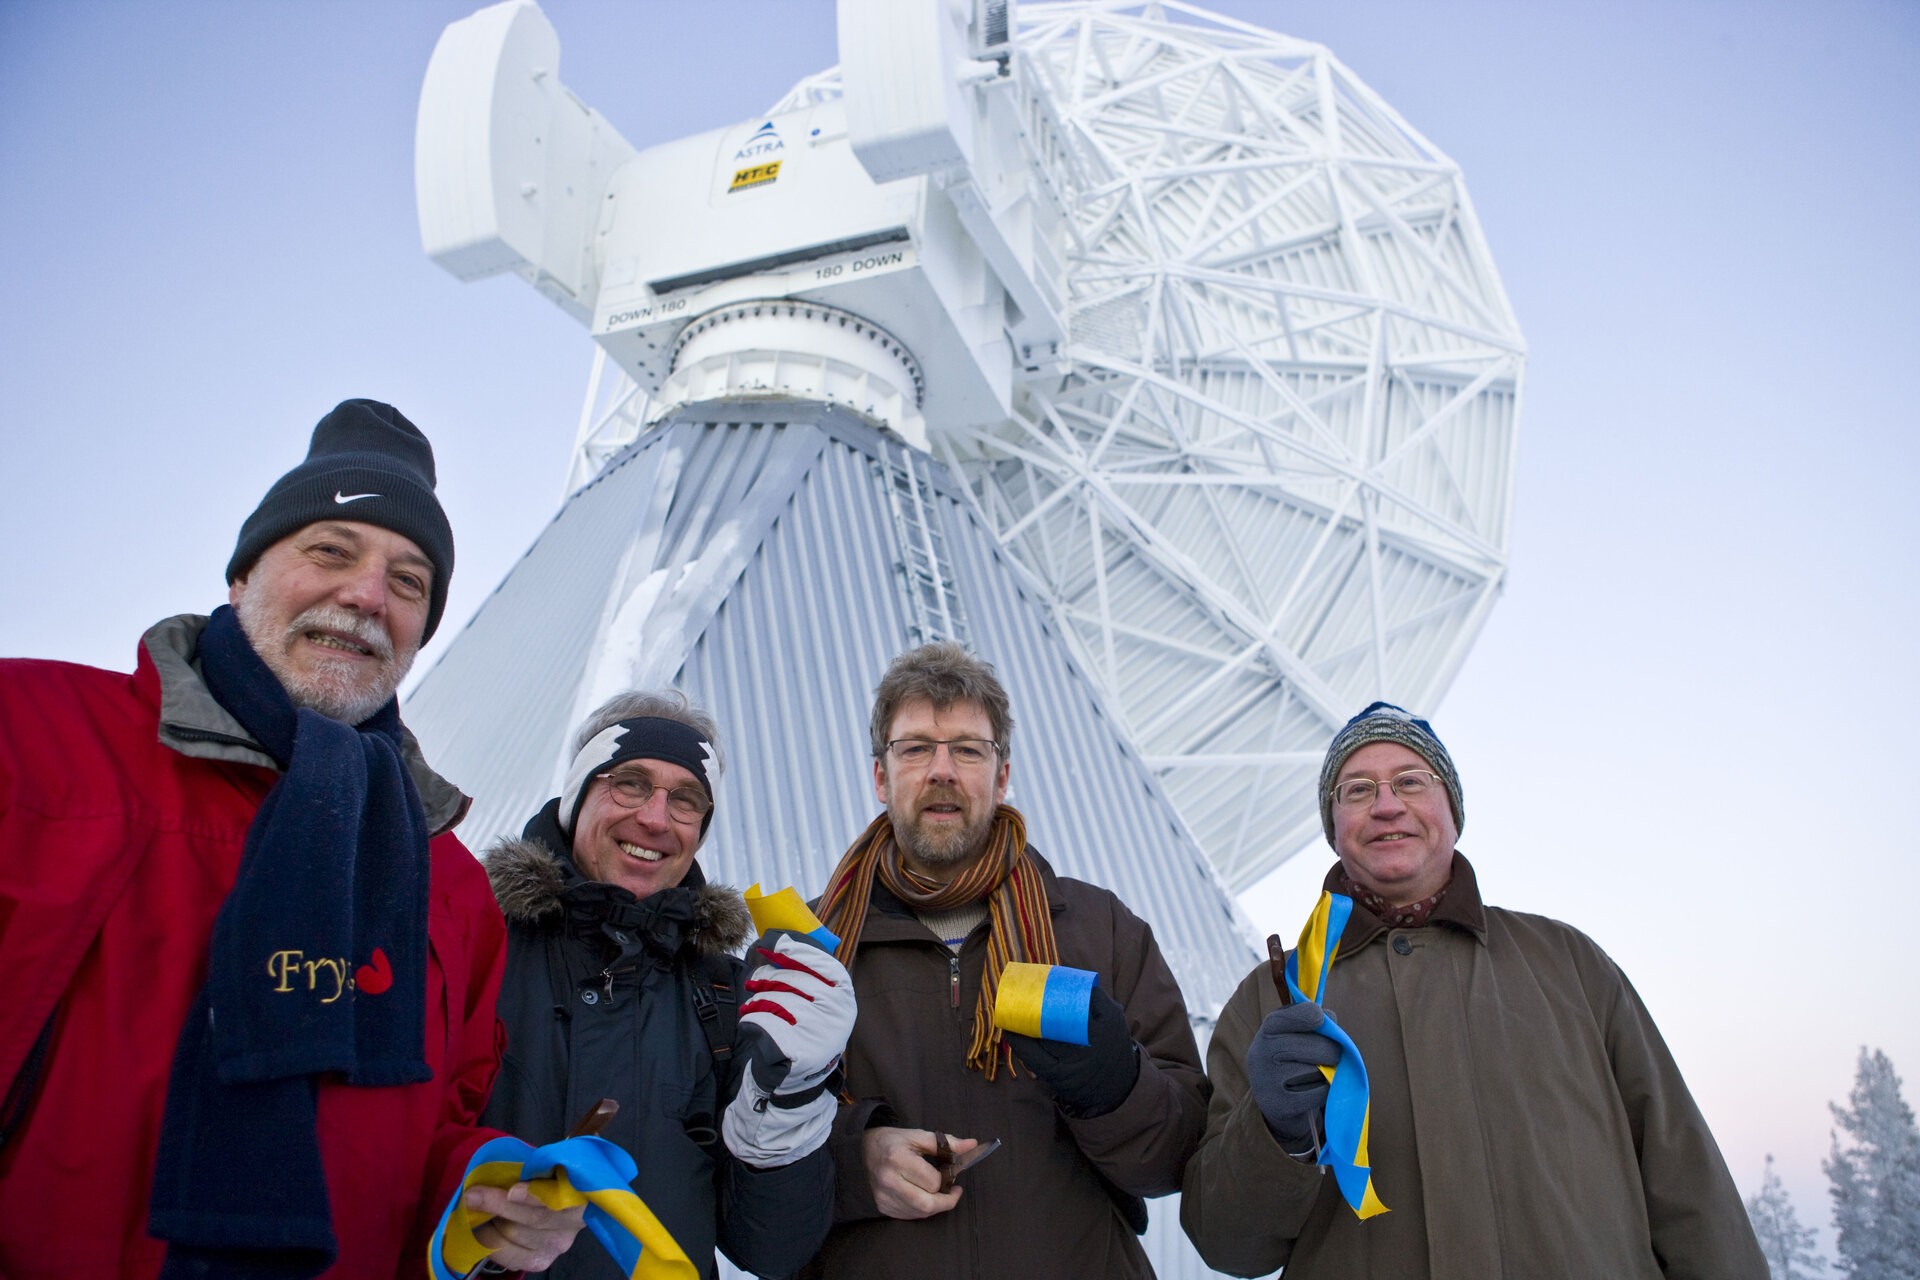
[
  {"x": 1283, "y": 1071},
  {"x": 1088, "y": 1079}
]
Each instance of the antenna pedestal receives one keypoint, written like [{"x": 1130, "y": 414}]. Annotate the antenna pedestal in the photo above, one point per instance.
[{"x": 797, "y": 350}]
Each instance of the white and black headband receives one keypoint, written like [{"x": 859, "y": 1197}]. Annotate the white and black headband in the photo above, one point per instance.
[{"x": 641, "y": 738}]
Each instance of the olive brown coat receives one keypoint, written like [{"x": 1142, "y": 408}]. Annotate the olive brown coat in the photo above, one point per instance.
[{"x": 1527, "y": 1120}]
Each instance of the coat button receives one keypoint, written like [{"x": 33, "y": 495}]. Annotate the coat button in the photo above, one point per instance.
[
  {"x": 589, "y": 997},
  {"x": 1402, "y": 944}
]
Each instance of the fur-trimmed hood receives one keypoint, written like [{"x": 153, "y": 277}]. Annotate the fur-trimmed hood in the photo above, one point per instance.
[{"x": 530, "y": 883}]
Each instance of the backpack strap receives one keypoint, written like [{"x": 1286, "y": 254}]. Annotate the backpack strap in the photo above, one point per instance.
[
  {"x": 559, "y": 977},
  {"x": 716, "y": 1002}
]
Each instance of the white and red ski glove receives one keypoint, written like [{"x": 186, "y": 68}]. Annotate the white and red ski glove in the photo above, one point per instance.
[{"x": 793, "y": 1030}]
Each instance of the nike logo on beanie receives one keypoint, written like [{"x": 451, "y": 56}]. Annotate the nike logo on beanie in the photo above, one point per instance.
[{"x": 344, "y": 498}]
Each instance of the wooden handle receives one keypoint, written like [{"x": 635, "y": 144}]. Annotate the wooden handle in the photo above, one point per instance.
[
  {"x": 942, "y": 1159},
  {"x": 1277, "y": 967},
  {"x": 596, "y": 1119}
]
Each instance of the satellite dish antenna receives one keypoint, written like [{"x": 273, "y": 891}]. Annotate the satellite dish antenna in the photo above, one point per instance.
[{"x": 1205, "y": 337}]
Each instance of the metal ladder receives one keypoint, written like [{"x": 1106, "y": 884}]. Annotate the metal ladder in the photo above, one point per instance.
[{"x": 934, "y": 608}]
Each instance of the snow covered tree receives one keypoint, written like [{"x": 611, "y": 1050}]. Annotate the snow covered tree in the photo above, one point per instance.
[
  {"x": 1876, "y": 1180},
  {"x": 1787, "y": 1245}
]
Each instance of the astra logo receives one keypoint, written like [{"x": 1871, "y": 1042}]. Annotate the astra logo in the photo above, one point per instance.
[{"x": 764, "y": 142}]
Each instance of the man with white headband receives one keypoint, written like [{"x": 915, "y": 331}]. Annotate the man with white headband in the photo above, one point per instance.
[{"x": 621, "y": 983}]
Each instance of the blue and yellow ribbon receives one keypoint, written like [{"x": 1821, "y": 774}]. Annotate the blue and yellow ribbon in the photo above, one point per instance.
[
  {"x": 788, "y": 910},
  {"x": 588, "y": 1171},
  {"x": 1045, "y": 1000},
  {"x": 1348, "y": 1106}
]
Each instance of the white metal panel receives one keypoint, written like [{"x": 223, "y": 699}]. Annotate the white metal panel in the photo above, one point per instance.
[
  {"x": 469, "y": 223},
  {"x": 900, "y": 61},
  {"x": 509, "y": 166}
]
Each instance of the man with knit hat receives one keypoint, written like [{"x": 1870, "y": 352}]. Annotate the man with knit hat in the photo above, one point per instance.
[
  {"x": 932, "y": 902},
  {"x": 1523, "y": 1115},
  {"x": 250, "y": 1022}
]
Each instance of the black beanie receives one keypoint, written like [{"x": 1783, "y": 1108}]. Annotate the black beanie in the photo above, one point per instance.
[{"x": 367, "y": 463}]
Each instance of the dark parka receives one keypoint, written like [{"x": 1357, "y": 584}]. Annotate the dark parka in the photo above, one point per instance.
[
  {"x": 1527, "y": 1121},
  {"x": 603, "y": 997},
  {"x": 1054, "y": 1200}
]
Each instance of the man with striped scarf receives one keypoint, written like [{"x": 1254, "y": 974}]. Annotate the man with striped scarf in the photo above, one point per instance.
[{"x": 931, "y": 903}]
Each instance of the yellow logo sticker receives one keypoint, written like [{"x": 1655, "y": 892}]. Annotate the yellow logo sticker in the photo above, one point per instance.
[{"x": 758, "y": 176}]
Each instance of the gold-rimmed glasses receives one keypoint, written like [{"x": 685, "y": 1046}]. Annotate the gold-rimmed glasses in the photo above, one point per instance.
[{"x": 1409, "y": 785}]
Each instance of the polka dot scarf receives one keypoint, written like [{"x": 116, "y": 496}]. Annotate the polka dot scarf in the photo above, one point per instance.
[{"x": 1412, "y": 916}]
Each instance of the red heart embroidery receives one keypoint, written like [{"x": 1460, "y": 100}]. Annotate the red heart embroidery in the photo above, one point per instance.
[{"x": 376, "y": 977}]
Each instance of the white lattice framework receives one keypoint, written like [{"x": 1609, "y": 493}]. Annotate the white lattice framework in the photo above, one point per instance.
[{"x": 1275, "y": 482}]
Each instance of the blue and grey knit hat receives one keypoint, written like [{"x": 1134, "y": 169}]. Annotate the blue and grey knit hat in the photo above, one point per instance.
[{"x": 1384, "y": 722}]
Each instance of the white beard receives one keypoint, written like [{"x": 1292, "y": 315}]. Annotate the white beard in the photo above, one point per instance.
[{"x": 339, "y": 690}]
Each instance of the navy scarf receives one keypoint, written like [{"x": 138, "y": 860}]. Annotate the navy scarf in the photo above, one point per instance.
[{"x": 318, "y": 965}]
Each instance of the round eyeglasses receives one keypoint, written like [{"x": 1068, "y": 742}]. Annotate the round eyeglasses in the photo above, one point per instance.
[
  {"x": 633, "y": 790},
  {"x": 1408, "y": 786}
]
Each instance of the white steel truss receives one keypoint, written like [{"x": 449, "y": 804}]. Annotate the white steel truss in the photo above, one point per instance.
[
  {"x": 1275, "y": 481},
  {"x": 612, "y": 416}
]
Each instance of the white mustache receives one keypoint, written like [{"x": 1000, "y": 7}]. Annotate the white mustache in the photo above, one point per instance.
[{"x": 327, "y": 617}]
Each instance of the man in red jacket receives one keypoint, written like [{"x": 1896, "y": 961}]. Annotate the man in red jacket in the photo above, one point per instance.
[{"x": 250, "y": 1021}]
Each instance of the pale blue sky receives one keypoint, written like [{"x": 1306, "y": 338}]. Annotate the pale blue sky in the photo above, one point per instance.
[{"x": 1687, "y": 728}]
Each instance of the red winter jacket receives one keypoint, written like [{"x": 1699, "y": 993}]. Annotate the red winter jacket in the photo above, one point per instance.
[{"x": 124, "y": 805}]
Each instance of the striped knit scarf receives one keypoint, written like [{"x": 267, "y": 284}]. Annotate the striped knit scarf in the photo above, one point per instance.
[{"x": 1021, "y": 929}]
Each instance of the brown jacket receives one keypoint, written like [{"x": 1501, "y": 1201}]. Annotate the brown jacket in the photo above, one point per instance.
[
  {"x": 1527, "y": 1120},
  {"x": 1039, "y": 1205}
]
